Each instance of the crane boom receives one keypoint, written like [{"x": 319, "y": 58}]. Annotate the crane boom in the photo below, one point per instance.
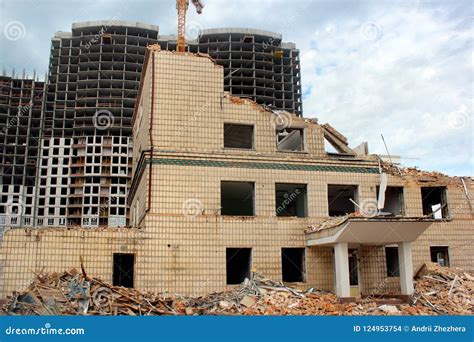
[{"x": 182, "y": 7}]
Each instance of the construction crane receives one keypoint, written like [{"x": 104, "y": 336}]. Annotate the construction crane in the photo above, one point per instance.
[{"x": 182, "y": 7}]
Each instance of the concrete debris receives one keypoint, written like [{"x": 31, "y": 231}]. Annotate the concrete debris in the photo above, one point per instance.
[
  {"x": 224, "y": 304},
  {"x": 332, "y": 222},
  {"x": 447, "y": 291},
  {"x": 362, "y": 149},
  {"x": 247, "y": 301},
  {"x": 205, "y": 55},
  {"x": 421, "y": 176},
  {"x": 74, "y": 293},
  {"x": 336, "y": 139},
  {"x": 391, "y": 309},
  {"x": 236, "y": 100},
  {"x": 336, "y": 133},
  {"x": 326, "y": 224},
  {"x": 154, "y": 47},
  {"x": 468, "y": 276}
]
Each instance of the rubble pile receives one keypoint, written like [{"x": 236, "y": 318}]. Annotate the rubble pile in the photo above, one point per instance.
[
  {"x": 74, "y": 293},
  {"x": 332, "y": 222},
  {"x": 447, "y": 291},
  {"x": 438, "y": 291},
  {"x": 262, "y": 296},
  {"x": 421, "y": 176}
]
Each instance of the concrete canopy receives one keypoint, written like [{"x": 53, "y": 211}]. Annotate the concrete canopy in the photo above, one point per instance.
[{"x": 374, "y": 232}]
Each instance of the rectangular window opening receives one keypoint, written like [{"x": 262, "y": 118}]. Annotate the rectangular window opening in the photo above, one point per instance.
[
  {"x": 290, "y": 139},
  {"x": 238, "y": 136},
  {"x": 238, "y": 265},
  {"x": 339, "y": 199},
  {"x": 394, "y": 202},
  {"x": 237, "y": 198},
  {"x": 291, "y": 200},
  {"x": 247, "y": 39},
  {"x": 107, "y": 38},
  {"x": 440, "y": 255},
  {"x": 123, "y": 270},
  {"x": 391, "y": 261},
  {"x": 434, "y": 200},
  {"x": 293, "y": 265}
]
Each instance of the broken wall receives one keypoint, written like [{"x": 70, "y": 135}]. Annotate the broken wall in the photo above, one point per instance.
[{"x": 191, "y": 107}]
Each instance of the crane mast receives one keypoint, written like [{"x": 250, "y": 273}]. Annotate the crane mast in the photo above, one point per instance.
[{"x": 182, "y": 7}]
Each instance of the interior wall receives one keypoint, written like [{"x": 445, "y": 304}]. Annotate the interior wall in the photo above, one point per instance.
[{"x": 394, "y": 200}]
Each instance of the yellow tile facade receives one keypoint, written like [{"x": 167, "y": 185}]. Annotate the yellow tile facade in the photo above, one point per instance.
[{"x": 179, "y": 239}]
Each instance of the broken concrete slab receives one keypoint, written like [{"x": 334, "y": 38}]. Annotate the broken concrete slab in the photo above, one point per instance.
[{"x": 248, "y": 301}]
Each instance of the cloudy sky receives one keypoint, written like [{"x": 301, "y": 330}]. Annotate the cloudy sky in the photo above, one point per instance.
[{"x": 403, "y": 69}]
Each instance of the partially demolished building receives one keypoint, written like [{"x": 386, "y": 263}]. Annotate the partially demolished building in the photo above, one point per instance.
[{"x": 223, "y": 186}]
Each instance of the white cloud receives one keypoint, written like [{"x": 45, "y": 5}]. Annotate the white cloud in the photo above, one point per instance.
[{"x": 404, "y": 73}]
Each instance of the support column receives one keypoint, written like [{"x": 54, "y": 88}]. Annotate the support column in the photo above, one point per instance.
[
  {"x": 341, "y": 262},
  {"x": 406, "y": 268}
]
